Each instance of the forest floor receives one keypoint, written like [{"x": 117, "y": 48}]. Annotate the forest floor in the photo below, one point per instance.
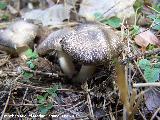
[{"x": 38, "y": 89}]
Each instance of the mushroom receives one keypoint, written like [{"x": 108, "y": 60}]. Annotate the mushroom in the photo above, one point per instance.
[
  {"x": 18, "y": 36},
  {"x": 88, "y": 43}
]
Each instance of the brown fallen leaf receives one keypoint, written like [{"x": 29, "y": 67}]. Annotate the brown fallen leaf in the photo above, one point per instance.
[{"x": 145, "y": 38}]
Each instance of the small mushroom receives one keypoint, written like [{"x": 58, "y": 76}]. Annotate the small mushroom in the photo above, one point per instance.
[
  {"x": 89, "y": 44},
  {"x": 18, "y": 36}
]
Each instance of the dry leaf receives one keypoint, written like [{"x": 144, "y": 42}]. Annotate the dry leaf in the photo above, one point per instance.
[
  {"x": 152, "y": 98},
  {"x": 145, "y": 38},
  {"x": 54, "y": 15},
  {"x": 108, "y": 8}
]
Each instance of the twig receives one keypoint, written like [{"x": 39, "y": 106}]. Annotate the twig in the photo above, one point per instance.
[
  {"x": 9, "y": 95},
  {"x": 89, "y": 102},
  {"x": 154, "y": 115},
  {"x": 111, "y": 115},
  {"x": 156, "y": 84},
  {"x": 64, "y": 25},
  {"x": 144, "y": 118},
  {"x": 35, "y": 105},
  {"x": 40, "y": 72},
  {"x": 18, "y": 111},
  {"x": 44, "y": 89},
  {"x": 135, "y": 108},
  {"x": 5, "y": 107},
  {"x": 154, "y": 9},
  {"x": 68, "y": 110},
  {"x": 24, "y": 96}
]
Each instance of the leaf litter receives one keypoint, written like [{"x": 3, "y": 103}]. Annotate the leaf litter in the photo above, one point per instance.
[{"x": 37, "y": 85}]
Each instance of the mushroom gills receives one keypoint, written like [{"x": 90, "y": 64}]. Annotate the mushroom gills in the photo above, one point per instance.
[
  {"x": 85, "y": 73},
  {"x": 66, "y": 64}
]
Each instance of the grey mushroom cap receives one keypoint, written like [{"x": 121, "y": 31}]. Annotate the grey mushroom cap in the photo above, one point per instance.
[
  {"x": 86, "y": 43},
  {"x": 92, "y": 43},
  {"x": 52, "y": 42}
]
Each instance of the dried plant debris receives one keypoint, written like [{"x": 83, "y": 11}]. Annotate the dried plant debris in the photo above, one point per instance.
[
  {"x": 54, "y": 15},
  {"x": 107, "y": 8},
  {"x": 145, "y": 38},
  {"x": 39, "y": 87}
]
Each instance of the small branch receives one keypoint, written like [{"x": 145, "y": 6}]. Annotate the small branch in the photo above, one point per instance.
[
  {"x": 154, "y": 115},
  {"x": 156, "y": 84},
  {"x": 144, "y": 118},
  {"x": 69, "y": 109},
  {"x": 35, "y": 105},
  {"x": 44, "y": 89},
  {"x": 40, "y": 72},
  {"x": 5, "y": 107},
  {"x": 24, "y": 96},
  {"x": 90, "y": 107},
  {"x": 9, "y": 95}
]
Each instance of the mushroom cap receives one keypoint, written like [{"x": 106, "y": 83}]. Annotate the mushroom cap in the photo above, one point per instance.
[
  {"x": 86, "y": 43},
  {"x": 18, "y": 34},
  {"x": 92, "y": 43},
  {"x": 52, "y": 42}
]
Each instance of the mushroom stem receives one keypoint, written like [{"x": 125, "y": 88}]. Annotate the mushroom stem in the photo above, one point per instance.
[
  {"x": 66, "y": 64},
  {"x": 21, "y": 52},
  {"x": 85, "y": 72}
]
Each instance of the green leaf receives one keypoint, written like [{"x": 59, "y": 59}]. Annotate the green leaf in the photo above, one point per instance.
[
  {"x": 113, "y": 21},
  {"x": 156, "y": 25},
  {"x": 43, "y": 109},
  {"x": 98, "y": 16},
  {"x": 151, "y": 72},
  {"x": 151, "y": 47},
  {"x": 156, "y": 20},
  {"x": 144, "y": 63},
  {"x": 3, "y": 5},
  {"x": 157, "y": 65},
  {"x": 42, "y": 99},
  {"x": 138, "y": 5},
  {"x": 30, "y": 54},
  {"x": 27, "y": 75},
  {"x": 152, "y": 75},
  {"x": 30, "y": 64},
  {"x": 52, "y": 91},
  {"x": 5, "y": 17},
  {"x": 152, "y": 17},
  {"x": 135, "y": 30}
]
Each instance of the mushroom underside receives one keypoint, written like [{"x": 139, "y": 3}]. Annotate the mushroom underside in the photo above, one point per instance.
[
  {"x": 68, "y": 68},
  {"x": 66, "y": 64},
  {"x": 85, "y": 73}
]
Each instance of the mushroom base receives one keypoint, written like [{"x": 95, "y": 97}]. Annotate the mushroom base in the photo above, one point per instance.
[{"x": 85, "y": 73}]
